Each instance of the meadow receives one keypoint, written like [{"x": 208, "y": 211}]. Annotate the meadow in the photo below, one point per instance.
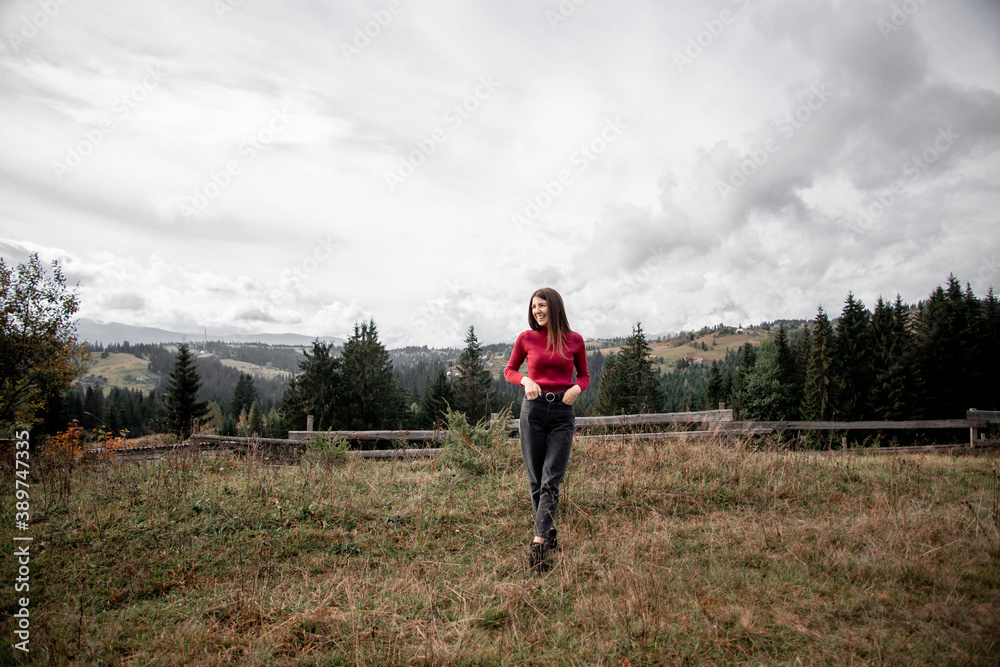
[{"x": 677, "y": 553}]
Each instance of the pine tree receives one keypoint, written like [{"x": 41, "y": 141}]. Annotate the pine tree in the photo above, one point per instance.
[
  {"x": 182, "y": 394},
  {"x": 790, "y": 395},
  {"x": 817, "y": 405},
  {"x": 891, "y": 354},
  {"x": 275, "y": 426},
  {"x": 803, "y": 351},
  {"x": 715, "y": 386},
  {"x": 946, "y": 359},
  {"x": 611, "y": 389},
  {"x": 763, "y": 396},
  {"x": 439, "y": 397},
  {"x": 314, "y": 391},
  {"x": 93, "y": 409},
  {"x": 370, "y": 395},
  {"x": 851, "y": 363},
  {"x": 629, "y": 384},
  {"x": 988, "y": 395},
  {"x": 746, "y": 360},
  {"x": 244, "y": 395},
  {"x": 472, "y": 388},
  {"x": 255, "y": 420}
]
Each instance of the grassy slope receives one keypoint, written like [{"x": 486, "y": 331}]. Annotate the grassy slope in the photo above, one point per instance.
[
  {"x": 122, "y": 369},
  {"x": 671, "y": 554},
  {"x": 254, "y": 369},
  {"x": 717, "y": 345}
]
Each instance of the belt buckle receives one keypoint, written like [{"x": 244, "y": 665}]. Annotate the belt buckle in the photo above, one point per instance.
[{"x": 550, "y": 396}]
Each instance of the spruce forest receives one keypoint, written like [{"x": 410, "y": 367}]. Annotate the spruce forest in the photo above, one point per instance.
[{"x": 934, "y": 359}]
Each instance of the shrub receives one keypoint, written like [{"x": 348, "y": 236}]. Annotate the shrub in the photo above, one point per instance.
[
  {"x": 478, "y": 449},
  {"x": 326, "y": 451}
]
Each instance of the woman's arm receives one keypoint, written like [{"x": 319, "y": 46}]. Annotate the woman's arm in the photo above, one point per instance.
[
  {"x": 513, "y": 374},
  {"x": 582, "y": 374}
]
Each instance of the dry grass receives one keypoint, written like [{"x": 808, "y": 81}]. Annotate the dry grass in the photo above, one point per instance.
[{"x": 673, "y": 554}]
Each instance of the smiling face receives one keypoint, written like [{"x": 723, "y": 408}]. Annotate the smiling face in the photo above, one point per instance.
[{"x": 540, "y": 310}]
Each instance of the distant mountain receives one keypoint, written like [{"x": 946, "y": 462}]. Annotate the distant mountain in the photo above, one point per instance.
[{"x": 115, "y": 332}]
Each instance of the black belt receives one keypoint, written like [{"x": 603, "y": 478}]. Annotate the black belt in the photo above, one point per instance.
[{"x": 551, "y": 396}]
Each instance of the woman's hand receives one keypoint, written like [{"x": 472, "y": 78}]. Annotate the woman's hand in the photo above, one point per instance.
[
  {"x": 569, "y": 398},
  {"x": 531, "y": 388}
]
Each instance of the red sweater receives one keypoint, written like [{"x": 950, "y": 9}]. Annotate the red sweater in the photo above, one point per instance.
[{"x": 547, "y": 368}]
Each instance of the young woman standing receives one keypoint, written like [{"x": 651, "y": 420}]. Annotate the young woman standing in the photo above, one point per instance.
[{"x": 548, "y": 422}]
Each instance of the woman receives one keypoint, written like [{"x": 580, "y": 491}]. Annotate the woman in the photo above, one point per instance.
[{"x": 547, "y": 424}]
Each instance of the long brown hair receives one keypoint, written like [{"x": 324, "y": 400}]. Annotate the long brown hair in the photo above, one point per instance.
[{"x": 558, "y": 324}]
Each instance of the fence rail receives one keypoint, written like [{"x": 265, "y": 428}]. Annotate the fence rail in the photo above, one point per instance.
[
  {"x": 701, "y": 417},
  {"x": 718, "y": 424}
]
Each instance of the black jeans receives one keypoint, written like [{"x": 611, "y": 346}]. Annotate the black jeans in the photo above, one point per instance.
[{"x": 547, "y": 429}]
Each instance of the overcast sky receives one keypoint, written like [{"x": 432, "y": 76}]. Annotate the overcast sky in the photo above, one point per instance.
[{"x": 283, "y": 166}]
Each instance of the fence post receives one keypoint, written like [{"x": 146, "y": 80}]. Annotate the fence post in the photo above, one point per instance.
[
  {"x": 972, "y": 434},
  {"x": 309, "y": 422},
  {"x": 722, "y": 406}
]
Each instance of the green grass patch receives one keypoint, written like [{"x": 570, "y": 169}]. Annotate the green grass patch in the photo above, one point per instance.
[{"x": 670, "y": 554}]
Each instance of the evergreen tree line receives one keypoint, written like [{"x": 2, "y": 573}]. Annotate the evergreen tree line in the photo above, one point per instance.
[
  {"x": 281, "y": 357},
  {"x": 932, "y": 361},
  {"x": 123, "y": 409},
  {"x": 897, "y": 362},
  {"x": 219, "y": 382}
]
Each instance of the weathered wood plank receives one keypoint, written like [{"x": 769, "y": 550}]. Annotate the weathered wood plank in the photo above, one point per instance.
[
  {"x": 991, "y": 416},
  {"x": 916, "y": 424},
  {"x": 674, "y": 435},
  {"x": 239, "y": 440},
  {"x": 369, "y": 435},
  {"x": 658, "y": 418}
]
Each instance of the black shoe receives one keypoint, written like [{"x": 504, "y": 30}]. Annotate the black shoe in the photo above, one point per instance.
[
  {"x": 536, "y": 558},
  {"x": 552, "y": 543}
]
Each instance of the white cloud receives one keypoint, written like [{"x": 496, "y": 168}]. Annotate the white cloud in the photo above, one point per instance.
[{"x": 306, "y": 236}]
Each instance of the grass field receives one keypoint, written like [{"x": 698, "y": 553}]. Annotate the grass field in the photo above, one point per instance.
[
  {"x": 124, "y": 370},
  {"x": 254, "y": 369},
  {"x": 672, "y": 554},
  {"x": 718, "y": 346}
]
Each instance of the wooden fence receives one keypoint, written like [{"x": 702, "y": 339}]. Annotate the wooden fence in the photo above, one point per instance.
[{"x": 715, "y": 424}]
